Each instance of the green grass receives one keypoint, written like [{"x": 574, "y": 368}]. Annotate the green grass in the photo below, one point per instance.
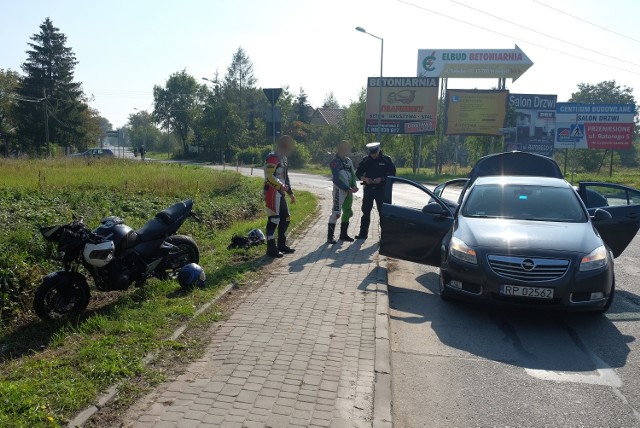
[{"x": 49, "y": 371}]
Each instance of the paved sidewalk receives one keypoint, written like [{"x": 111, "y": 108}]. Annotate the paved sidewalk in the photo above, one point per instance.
[{"x": 299, "y": 351}]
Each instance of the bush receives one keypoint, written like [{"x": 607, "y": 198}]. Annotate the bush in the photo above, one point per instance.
[
  {"x": 300, "y": 157},
  {"x": 253, "y": 155}
]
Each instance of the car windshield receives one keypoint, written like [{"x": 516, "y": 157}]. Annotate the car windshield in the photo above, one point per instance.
[{"x": 524, "y": 202}]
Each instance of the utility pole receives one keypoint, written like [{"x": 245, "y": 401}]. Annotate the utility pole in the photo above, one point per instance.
[{"x": 46, "y": 120}]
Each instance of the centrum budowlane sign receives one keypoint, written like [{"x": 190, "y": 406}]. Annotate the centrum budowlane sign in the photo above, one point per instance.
[
  {"x": 493, "y": 63},
  {"x": 409, "y": 105},
  {"x": 594, "y": 126}
]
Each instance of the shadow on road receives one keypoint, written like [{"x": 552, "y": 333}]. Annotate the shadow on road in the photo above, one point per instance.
[{"x": 531, "y": 339}]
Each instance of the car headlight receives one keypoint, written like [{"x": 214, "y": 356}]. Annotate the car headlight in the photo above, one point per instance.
[
  {"x": 594, "y": 260},
  {"x": 461, "y": 251}
]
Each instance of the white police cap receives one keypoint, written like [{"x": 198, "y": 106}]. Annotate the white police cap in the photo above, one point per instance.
[{"x": 373, "y": 147}]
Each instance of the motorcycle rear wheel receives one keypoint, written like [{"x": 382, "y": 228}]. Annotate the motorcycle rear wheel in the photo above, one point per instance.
[
  {"x": 61, "y": 294},
  {"x": 190, "y": 253}
]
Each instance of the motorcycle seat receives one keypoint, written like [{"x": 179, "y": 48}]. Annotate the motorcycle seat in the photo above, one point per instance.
[
  {"x": 153, "y": 229},
  {"x": 174, "y": 212}
]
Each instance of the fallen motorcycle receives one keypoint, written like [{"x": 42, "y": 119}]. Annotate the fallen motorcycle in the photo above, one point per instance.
[{"x": 115, "y": 256}]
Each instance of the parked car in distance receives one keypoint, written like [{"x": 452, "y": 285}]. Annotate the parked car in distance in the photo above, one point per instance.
[
  {"x": 518, "y": 234},
  {"x": 94, "y": 153}
]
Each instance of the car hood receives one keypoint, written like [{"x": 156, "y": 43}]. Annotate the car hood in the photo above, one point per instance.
[{"x": 525, "y": 235}]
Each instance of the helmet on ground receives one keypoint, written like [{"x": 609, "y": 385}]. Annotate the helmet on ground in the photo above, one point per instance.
[
  {"x": 99, "y": 255},
  {"x": 191, "y": 275},
  {"x": 257, "y": 235}
]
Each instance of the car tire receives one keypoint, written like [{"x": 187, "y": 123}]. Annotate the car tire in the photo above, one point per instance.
[
  {"x": 445, "y": 294},
  {"x": 607, "y": 305}
]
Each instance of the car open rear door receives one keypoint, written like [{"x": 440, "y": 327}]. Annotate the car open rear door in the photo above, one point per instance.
[
  {"x": 413, "y": 222},
  {"x": 451, "y": 191},
  {"x": 623, "y": 203}
]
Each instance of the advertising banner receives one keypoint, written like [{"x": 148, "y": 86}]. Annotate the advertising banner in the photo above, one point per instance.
[
  {"x": 594, "y": 126},
  {"x": 475, "y": 112},
  {"x": 490, "y": 63},
  {"x": 535, "y": 124},
  {"x": 409, "y": 105}
]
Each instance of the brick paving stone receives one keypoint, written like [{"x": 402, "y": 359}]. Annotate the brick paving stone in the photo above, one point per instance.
[{"x": 298, "y": 351}]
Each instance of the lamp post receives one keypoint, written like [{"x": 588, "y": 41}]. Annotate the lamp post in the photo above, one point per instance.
[{"x": 362, "y": 30}]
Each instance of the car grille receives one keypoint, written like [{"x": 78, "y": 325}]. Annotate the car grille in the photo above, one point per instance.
[{"x": 528, "y": 269}]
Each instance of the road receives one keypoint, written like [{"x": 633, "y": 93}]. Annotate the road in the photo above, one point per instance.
[{"x": 459, "y": 364}]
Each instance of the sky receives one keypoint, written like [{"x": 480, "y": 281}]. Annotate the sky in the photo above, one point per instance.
[{"x": 124, "y": 48}]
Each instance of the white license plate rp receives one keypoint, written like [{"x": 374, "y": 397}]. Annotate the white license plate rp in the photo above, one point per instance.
[{"x": 520, "y": 291}]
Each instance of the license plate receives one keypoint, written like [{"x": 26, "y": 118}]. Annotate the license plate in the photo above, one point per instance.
[{"x": 520, "y": 291}]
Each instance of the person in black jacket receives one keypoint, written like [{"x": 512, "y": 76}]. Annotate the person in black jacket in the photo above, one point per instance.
[{"x": 373, "y": 171}]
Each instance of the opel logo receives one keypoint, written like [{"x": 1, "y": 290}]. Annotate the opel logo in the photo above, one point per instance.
[{"x": 528, "y": 265}]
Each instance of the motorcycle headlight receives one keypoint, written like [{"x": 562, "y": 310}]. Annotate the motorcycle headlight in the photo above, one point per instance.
[
  {"x": 594, "y": 260},
  {"x": 461, "y": 251}
]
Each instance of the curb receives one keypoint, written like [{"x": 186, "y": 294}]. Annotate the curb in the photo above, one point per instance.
[
  {"x": 382, "y": 401},
  {"x": 84, "y": 415}
]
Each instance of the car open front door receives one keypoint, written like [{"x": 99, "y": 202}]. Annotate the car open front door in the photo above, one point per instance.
[
  {"x": 623, "y": 203},
  {"x": 413, "y": 222}
]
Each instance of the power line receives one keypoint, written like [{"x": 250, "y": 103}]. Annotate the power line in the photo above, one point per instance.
[
  {"x": 517, "y": 38},
  {"x": 542, "y": 33},
  {"x": 586, "y": 22}
]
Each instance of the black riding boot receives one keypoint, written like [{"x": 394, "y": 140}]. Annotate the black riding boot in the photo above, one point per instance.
[
  {"x": 330, "y": 232},
  {"x": 343, "y": 232},
  {"x": 282, "y": 246},
  {"x": 272, "y": 249}
]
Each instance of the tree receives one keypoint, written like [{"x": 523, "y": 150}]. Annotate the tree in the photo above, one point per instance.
[
  {"x": 330, "y": 101},
  {"x": 105, "y": 125},
  {"x": 49, "y": 78},
  {"x": 9, "y": 83},
  {"x": 142, "y": 131},
  {"x": 239, "y": 79},
  {"x": 606, "y": 92},
  {"x": 301, "y": 106},
  {"x": 177, "y": 105},
  {"x": 354, "y": 120}
]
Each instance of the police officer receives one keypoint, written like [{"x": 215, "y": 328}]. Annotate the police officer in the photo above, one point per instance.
[{"x": 373, "y": 171}]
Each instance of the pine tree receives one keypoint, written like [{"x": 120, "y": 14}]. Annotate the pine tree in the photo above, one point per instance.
[
  {"x": 240, "y": 80},
  {"x": 301, "y": 106},
  {"x": 49, "y": 81}
]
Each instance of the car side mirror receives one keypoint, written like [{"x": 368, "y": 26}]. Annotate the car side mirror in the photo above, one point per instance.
[
  {"x": 600, "y": 215},
  {"x": 434, "y": 208}
]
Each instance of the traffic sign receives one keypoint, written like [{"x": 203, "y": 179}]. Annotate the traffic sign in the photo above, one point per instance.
[
  {"x": 463, "y": 63},
  {"x": 272, "y": 95}
]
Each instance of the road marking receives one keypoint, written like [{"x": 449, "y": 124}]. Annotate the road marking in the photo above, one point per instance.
[{"x": 604, "y": 375}]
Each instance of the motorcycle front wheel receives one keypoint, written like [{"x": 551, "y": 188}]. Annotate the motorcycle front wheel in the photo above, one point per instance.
[{"x": 61, "y": 294}]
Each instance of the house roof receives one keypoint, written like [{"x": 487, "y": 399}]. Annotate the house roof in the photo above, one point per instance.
[{"x": 332, "y": 116}]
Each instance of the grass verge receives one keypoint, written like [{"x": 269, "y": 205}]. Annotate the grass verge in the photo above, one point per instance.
[{"x": 49, "y": 371}]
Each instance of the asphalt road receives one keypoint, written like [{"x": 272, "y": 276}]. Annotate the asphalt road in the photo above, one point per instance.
[
  {"x": 462, "y": 365},
  {"x": 459, "y": 364}
]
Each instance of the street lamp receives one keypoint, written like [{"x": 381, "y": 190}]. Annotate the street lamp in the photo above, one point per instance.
[{"x": 362, "y": 30}]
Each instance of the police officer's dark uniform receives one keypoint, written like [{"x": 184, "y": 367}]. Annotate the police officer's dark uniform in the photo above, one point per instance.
[{"x": 376, "y": 169}]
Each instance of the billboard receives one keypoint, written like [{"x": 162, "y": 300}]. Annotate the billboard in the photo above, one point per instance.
[
  {"x": 594, "y": 126},
  {"x": 475, "y": 112},
  {"x": 491, "y": 63},
  {"x": 408, "y": 106},
  {"x": 535, "y": 124}
]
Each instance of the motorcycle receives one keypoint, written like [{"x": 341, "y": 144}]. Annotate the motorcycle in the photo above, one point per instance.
[{"x": 115, "y": 256}]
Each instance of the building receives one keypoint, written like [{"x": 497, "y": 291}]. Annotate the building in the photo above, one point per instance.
[{"x": 328, "y": 116}]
